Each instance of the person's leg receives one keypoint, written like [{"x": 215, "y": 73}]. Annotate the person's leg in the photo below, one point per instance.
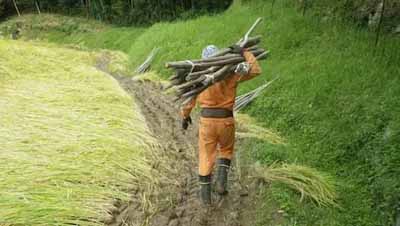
[
  {"x": 207, "y": 146},
  {"x": 207, "y": 156},
  {"x": 226, "y": 141}
]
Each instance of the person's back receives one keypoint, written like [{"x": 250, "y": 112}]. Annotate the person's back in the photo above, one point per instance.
[
  {"x": 217, "y": 125},
  {"x": 222, "y": 94}
]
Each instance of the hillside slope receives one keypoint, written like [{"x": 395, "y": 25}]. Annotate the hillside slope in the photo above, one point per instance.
[{"x": 336, "y": 101}]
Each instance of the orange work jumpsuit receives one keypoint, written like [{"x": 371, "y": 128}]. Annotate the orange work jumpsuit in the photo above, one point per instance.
[{"x": 218, "y": 134}]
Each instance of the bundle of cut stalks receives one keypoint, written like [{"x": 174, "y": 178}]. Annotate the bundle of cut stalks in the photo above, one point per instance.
[
  {"x": 243, "y": 100},
  {"x": 194, "y": 76},
  {"x": 145, "y": 66},
  {"x": 309, "y": 182}
]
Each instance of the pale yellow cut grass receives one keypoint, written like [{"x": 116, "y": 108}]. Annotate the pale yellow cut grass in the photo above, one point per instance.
[
  {"x": 248, "y": 128},
  {"x": 309, "y": 182},
  {"x": 71, "y": 140}
]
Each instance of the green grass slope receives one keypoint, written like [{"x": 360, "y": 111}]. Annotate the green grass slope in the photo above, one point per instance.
[
  {"x": 336, "y": 101},
  {"x": 71, "y": 141}
]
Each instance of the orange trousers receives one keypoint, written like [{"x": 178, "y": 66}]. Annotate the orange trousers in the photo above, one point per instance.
[{"x": 216, "y": 136}]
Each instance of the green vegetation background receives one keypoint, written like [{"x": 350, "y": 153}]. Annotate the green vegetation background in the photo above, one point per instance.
[
  {"x": 122, "y": 12},
  {"x": 336, "y": 101}
]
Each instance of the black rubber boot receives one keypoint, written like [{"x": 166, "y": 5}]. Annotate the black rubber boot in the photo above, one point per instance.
[
  {"x": 222, "y": 176},
  {"x": 205, "y": 189}
]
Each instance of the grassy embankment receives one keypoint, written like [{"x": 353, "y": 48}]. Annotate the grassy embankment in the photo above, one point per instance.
[
  {"x": 336, "y": 101},
  {"x": 71, "y": 140}
]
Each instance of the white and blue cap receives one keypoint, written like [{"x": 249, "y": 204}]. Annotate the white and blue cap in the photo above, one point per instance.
[{"x": 209, "y": 51}]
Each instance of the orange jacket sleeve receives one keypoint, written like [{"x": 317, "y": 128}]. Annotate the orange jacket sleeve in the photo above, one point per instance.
[
  {"x": 187, "y": 109},
  {"x": 255, "y": 68}
]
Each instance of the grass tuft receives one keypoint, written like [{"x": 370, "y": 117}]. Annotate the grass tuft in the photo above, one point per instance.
[{"x": 309, "y": 182}]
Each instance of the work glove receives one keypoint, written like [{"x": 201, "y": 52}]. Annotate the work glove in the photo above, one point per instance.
[
  {"x": 242, "y": 68},
  {"x": 237, "y": 49},
  {"x": 210, "y": 79},
  {"x": 185, "y": 122}
]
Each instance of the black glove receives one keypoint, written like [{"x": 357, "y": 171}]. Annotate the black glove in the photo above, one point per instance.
[
  {"x": 236, "y": 49},
  {"x": 186, "y": 122}
]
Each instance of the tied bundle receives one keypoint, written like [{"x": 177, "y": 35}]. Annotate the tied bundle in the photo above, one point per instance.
[{"x": 194, "y": 76}]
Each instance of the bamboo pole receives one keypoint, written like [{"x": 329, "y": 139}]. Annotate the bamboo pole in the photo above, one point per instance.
[
  {"x": 37, "y": 6},
  {"x": 254, "y": 51},
  {"x": 16, "y": 7},
  {"x": 146, "y": 64},
  {"x": 194, "y": 76},
  {"x": 251, "y": 41},
  {"x": 243, "y": 42},
  {"x": 378, "y": 32},
  {"x": 185, "y": 77},
  {"x": 243, "y": 100},
  {"x": 205, "y": 64},
  {"x": 179, "y": 74},
  {"x": 191, "y": 83}
]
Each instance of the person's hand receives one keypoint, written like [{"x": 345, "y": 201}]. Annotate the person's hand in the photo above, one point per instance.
[
  {"x": 242, "y": 68},
  {"x": 185, "y": 122},
  {"x": 237, "y": 49}
]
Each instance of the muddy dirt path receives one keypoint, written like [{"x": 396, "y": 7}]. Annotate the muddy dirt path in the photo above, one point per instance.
[{"x": 180, "y": 206}]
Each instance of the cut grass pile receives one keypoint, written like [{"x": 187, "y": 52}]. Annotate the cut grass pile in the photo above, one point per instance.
[
  {"x": 309, "y": 182},
  {"x": 71, "y": 140}
]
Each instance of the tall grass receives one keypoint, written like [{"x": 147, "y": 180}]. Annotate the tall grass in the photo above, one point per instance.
[{"x": 71, "y": 140}]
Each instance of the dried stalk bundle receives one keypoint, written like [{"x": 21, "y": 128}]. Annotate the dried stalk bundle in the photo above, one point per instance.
[
  {"x": 243, "y": 100},
  {"x": 194, "y": 76},
  {"x": 146, "y": 64}
]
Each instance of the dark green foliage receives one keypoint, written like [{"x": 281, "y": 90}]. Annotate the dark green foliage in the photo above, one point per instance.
[
  {"x": 6, "y": 9},
  {"x": 361, "y": 12},
  {"x": 2, "y": 3},
  {"x": 125, "y": 12}
]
